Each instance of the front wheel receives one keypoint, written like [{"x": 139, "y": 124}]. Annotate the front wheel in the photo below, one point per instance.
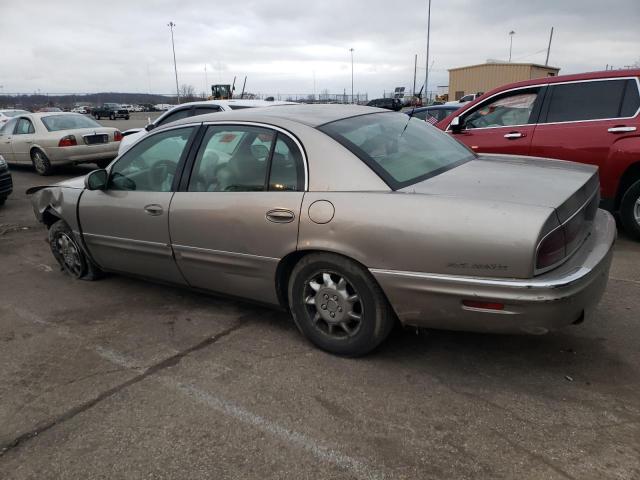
[
  {"x": 96, "y": 116},
  {"x": 112, "y": 117},
  {"x": 338, "y": 305},
  {"x": 630, "y": 210},
  {"x": 68, "y": 253},
  {"x": 127, "y": 117}
]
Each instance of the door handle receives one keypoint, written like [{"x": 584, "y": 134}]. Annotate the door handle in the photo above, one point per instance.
[
  {"x": 154, "y": 209},
  {"x": 621, "y": 129},
  {"x": 280, "y": 215},
  {"x": 512, "y": 135}
]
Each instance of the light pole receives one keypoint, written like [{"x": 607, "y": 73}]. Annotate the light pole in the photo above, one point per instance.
[
  {"x": 175, "y": 68},
  {"x": 426, "y": 75},
  {"x": 351, "y": 50},
  {"x": 511, "y": 34}
]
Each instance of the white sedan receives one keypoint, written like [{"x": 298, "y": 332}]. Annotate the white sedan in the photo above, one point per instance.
[
  {"x": 6, "y": 115},
  {"x": 191, "y": 109},
  {"x": 45, "y": 140}
]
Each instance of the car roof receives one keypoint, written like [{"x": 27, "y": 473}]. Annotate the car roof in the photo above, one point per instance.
[
  {"x": 238, "y": 102},
  {"x": 50, "y": 114},
  {"x": 310, "y": 115}
]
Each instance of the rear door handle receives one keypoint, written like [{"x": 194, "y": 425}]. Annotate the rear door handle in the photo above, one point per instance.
[
  {"x": 512, "y": 135},
  {"x": 621, "y": 129},
  {"x": 154, "y": 209},
  {"x": 280, "y": 215}
]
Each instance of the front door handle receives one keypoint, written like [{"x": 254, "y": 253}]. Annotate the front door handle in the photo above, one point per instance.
[
  {"x": 621, "y": 129},
  {"x": 512, "y": 135},
  {"x": 280, "y": 215},
  {"x": 154, "y": 209}
]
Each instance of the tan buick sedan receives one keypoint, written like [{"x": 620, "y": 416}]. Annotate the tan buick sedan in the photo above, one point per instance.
[
  {"x": 45, "y": 140},
  {"x": 352, "y": 218}
]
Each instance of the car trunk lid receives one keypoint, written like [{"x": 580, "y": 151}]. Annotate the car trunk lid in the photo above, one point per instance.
[{"x": 563, "y": 186}]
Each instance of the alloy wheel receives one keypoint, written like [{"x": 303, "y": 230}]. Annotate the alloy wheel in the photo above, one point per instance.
[
  {"x": 333, "y": 304},
  {"x": 69, "y": 253},
  {"x": 38, "y": 162}
]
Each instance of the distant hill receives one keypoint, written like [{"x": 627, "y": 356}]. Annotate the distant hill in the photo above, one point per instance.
[{"x": 34, "y": 101}]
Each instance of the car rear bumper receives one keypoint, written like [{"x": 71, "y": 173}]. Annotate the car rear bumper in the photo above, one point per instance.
[
  {"x": 6, "y": 182},
  {"x": 547, "y": 302},
  {"x": 82, "y": 153}
]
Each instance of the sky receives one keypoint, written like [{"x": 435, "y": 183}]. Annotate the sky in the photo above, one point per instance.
[{"x": 297, "y": 46}]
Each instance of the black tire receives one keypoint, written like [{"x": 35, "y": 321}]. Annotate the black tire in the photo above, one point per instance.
[
  {"x": 103, "y": 163},
  {"x": 41, "y": 162},
  {"x": 96, "y": 116},
  {"x": 127, "y": 117},
  {"x": 630, "y": 210},
  {"x": 358, "y": 326},
  {"x": 112, "y": 117},
  {"x": 2, "y": 200},
  {"x": 69, "y": 255}
]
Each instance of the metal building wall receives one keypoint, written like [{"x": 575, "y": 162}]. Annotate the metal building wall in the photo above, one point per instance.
[{"x": 485, "y": 77}]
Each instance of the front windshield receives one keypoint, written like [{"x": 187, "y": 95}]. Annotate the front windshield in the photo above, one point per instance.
[
  {"x": 401, "y": 150},
  {"x": 55, "y": 123}
]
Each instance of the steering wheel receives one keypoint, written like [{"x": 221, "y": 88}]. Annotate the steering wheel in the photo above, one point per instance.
[{"x": 160, "y": 170}]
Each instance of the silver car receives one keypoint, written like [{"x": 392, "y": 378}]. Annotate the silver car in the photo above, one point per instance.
[
  {"x": 45, "y": 140},
  {"x": 350, "y": 217}
]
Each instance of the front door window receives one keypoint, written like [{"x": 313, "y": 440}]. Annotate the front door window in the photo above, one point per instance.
[
  {"x": 510, "y": 110},
  {"x": 151, "y": 165}
]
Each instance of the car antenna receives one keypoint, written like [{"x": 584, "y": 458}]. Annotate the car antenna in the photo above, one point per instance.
[{"x": 411, "y": 113}]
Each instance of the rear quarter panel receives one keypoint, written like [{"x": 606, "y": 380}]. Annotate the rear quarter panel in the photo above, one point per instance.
[{"x": 427, "y": 233}]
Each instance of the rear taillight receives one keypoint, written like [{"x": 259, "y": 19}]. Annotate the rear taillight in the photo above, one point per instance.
[
  {"x": 68, "y": 141},
  {"x": 117, "y": 136},
  {"x": 551, "y": 249}
]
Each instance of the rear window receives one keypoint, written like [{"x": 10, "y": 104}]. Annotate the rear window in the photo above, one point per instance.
[
  {"x": 588, "y": 100},
  {"x": 401, "y": 150},
  {"x": 55, "y": 123}
]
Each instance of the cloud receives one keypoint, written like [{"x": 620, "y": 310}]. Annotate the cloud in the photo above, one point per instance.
[{"x": 282, "y": 45}]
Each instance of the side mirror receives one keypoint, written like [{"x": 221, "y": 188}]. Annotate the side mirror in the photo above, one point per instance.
[
  {"x": 456, "y": 125},
  {"x": 96, "y": 180},
  {"x": 149, "y": 127}
]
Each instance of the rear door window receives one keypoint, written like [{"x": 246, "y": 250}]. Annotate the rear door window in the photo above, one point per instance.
[
  {"x": 590, "y": 100},
  {"x": 631, "y": 100}
]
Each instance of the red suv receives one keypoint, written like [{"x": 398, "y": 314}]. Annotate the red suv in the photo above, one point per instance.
[{"x": 588, "y": 118}]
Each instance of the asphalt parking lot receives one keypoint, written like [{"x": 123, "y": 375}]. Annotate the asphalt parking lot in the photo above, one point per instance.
[
  {"x": 136, "y": 120},
  {"x": 121, "y": 378}
]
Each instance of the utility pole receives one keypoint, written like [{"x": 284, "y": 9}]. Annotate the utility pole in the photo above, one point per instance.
[
  {"x": 207, "y": 87},
  {"x": 511, "y": 34},
  {"x": 546, "y": 62},
  {"x": 415, "y": 72},
  {"x": 426, "y": 75},
  {"x": 175, "y": 68},
  {"x": 351, "y": 50}
]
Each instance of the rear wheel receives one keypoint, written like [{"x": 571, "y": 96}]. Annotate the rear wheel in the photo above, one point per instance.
[
  {"x": 96, "y": 116},
  {"x": 68, "y": 253},
  {"x": 338, "y": 305},
  {"x": 112, "y": 117},
  {"x": 2, "y": 200},
  {"x": 127, "y": 117},
  {"x": 630, "y": 210},
  {"x": 41, "y": 163}
]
